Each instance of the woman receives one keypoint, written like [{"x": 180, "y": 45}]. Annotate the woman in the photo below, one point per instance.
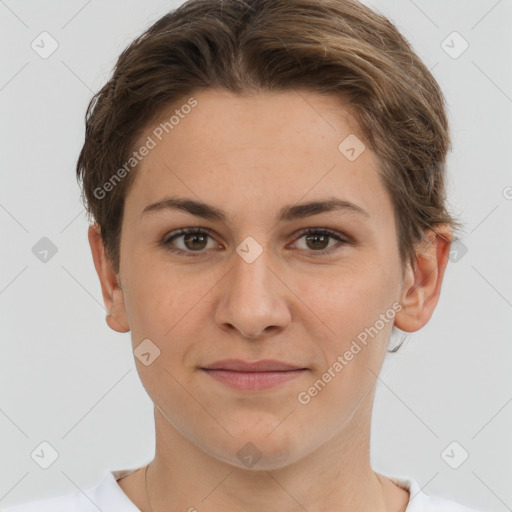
[{"x": 266, "y": 182}]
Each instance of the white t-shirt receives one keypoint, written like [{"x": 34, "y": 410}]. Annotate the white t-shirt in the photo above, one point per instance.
[{"x": 108, "y": 496}]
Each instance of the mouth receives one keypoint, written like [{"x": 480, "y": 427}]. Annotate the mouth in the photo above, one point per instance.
[{"x": 253, "y": 376}]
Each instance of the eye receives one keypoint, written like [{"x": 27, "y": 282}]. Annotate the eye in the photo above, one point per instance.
[
  {"x": 194, "y": 240},
  {"x": 318, "y": 239}
]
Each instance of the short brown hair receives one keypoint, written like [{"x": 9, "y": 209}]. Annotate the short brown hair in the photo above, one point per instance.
[{"x": 338, "y": 47}]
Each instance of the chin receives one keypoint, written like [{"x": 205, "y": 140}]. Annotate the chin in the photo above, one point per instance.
[{"x": 257, "y": 450}]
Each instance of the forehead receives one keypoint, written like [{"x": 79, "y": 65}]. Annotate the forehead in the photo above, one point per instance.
[
  {"x": 271, "y": 119},
  {"x": 258, "y": 149}
]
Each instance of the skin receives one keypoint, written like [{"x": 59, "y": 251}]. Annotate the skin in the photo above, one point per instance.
[{"x": 289, "y": 304}]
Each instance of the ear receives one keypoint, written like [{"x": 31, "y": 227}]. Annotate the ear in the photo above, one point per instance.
[
  {"x": 117, "y": 319},
  {"x": 422, "y": 281}
]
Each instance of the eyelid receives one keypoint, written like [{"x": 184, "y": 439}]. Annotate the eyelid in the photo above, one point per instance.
[
  {"x": 177, "y": 233},
  {"x": 342, "y": 239},
  {"x": 331, "y": 232}
]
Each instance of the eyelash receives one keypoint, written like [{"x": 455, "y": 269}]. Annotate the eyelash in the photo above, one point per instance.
[{"x": 166, "y": 242}]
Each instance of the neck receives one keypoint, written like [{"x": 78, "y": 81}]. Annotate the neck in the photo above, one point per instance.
[{"x": 338, "y": 477}]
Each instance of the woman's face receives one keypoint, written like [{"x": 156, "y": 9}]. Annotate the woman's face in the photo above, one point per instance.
[{"x": 254, "y": 286}]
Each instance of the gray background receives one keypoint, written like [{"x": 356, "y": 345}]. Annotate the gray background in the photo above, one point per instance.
[{"x": 67, "y": 379}]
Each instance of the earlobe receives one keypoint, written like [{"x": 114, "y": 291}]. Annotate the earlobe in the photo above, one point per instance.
[
  {"x": 113, "y": 297},
  {"x": 117, "y": 319},
  {"x": 422, "y": 282}
]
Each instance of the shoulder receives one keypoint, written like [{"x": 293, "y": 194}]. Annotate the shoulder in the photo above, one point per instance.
[
  {"x": 106, "y": 496},
  {"x": 419, "y": 501},
  {"x": 71, "y": 502}
]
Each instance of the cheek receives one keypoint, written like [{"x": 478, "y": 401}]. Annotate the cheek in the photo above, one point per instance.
[
  {"x": 347, "y": 300},
  {"x": 171, "y": 308},
  {"x": 156, "y": 301},
  {"x": 156, "y": 285},
  {"x": 353, "y": 347},
  {"x": 347, "y": 309}
]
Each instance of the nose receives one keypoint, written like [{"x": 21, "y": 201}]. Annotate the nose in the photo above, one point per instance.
[{"x": 252, "y": 299}]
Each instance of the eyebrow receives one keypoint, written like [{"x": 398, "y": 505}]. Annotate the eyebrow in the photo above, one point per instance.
[{"x": 287, "y": 213}]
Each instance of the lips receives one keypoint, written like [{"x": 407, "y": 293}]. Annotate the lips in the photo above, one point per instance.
[
  {"x": 267, "y": 365},
  {"x": 255, "y": 376}
]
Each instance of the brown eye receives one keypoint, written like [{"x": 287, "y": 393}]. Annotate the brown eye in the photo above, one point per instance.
[
  {"x": 317, "y": 240},
  {"x": 194, "y": 240}
]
